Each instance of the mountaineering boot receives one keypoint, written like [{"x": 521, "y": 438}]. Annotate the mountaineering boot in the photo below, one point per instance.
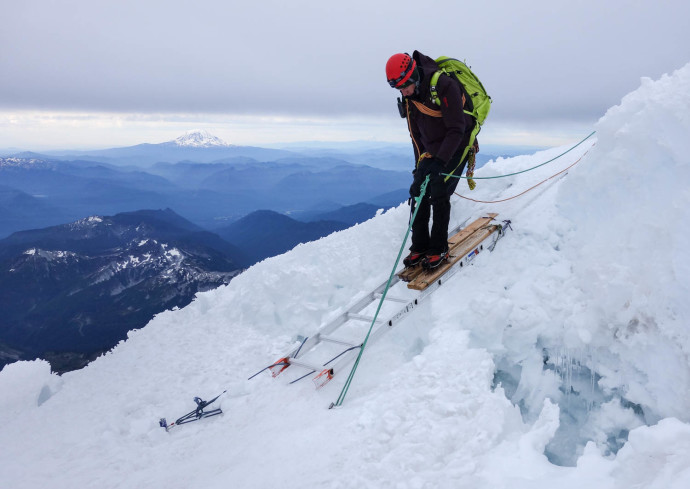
[
  {"x": 433, "y": 261},
  {"x": 413, "y": 258}
]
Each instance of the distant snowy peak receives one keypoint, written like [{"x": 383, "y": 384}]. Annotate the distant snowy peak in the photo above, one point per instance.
[
  {"x": 25, "y": 163},
  {"x": 87, "y": 223},
  {"x": 199, "y": 139}
]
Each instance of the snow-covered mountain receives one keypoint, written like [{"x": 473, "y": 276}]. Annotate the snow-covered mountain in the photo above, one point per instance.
[
  {"x": 199, "y": 139},
  {"x": 558, "y": 360},
  {"x": 71, "y": 292},
  {"x": 195, "y": 146},
  {"x": 25, "y": 163}
]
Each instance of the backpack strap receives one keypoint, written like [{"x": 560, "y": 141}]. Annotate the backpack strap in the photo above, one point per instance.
[
  {"x": 434, "y": 93},
  {"x": 434, "y": 81}
]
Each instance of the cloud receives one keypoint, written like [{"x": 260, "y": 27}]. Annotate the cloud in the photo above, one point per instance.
[
  {"x": 540, "y": 60},
  {"x": 50, "y": 130}
]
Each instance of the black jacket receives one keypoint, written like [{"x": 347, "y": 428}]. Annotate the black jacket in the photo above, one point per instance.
[{"x": 440, "y": 131}]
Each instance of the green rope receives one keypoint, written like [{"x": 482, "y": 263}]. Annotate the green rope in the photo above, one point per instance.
[
  {"x": 418, "y": 200},
  {"x": 346, "y": 387},
  {"x": 523, "y": 171}
]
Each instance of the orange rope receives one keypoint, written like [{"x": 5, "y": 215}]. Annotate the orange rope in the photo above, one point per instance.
[
  {"x": 409, "y": 128},
  {"x": 426, "y": 110},
  {"x": 523, "y": 193}
]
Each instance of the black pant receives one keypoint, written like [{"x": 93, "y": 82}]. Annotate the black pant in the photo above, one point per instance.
[{"x": 437, "y": 196}]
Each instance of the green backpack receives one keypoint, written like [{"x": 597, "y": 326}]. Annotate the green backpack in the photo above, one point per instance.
[{"x": 480, "y": 102}]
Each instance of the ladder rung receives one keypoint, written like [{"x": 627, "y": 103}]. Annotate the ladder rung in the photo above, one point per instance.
[
  {"x": 463, "y": 251},
  {"x": 335, "y": 340},
  {"x": 299, "y": 363},
  {"x": 393, "y": 299},
  {"x": 359, "y": 317}
]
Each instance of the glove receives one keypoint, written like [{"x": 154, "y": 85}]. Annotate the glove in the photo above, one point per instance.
[
  {"x": 415, "y": 188},
  {"x": 430, "y": 165},
  {"x": 436, "y": 167},
  {"x": 437, "y": 189}
]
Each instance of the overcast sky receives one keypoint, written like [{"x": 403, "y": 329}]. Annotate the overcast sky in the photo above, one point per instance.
[{"x": 108, "y": 73}]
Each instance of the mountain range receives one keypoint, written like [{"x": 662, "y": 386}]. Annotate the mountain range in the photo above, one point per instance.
[
  {"x": 263, "y": 234},
  {"x": 73, "y": 291},
  {"x": 197, "y": 146},
  {"x": 82, "y": 263},
  {"x": 203, "y": 179}
]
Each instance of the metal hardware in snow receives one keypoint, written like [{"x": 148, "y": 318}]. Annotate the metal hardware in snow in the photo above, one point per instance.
[{"x": 194, "y": 415}]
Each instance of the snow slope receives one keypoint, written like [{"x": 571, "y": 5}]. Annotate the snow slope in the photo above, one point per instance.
[{"x": 559, "y": 359}]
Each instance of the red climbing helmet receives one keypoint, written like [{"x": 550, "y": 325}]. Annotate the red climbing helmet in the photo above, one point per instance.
[{"x": 400, "y": 69}]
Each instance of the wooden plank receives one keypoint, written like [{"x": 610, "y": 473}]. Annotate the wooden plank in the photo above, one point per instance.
[
  {"x": 466, "y": 232},
  {"x": 426, "y": 278},
  {"x": 411, "y": 273}
]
